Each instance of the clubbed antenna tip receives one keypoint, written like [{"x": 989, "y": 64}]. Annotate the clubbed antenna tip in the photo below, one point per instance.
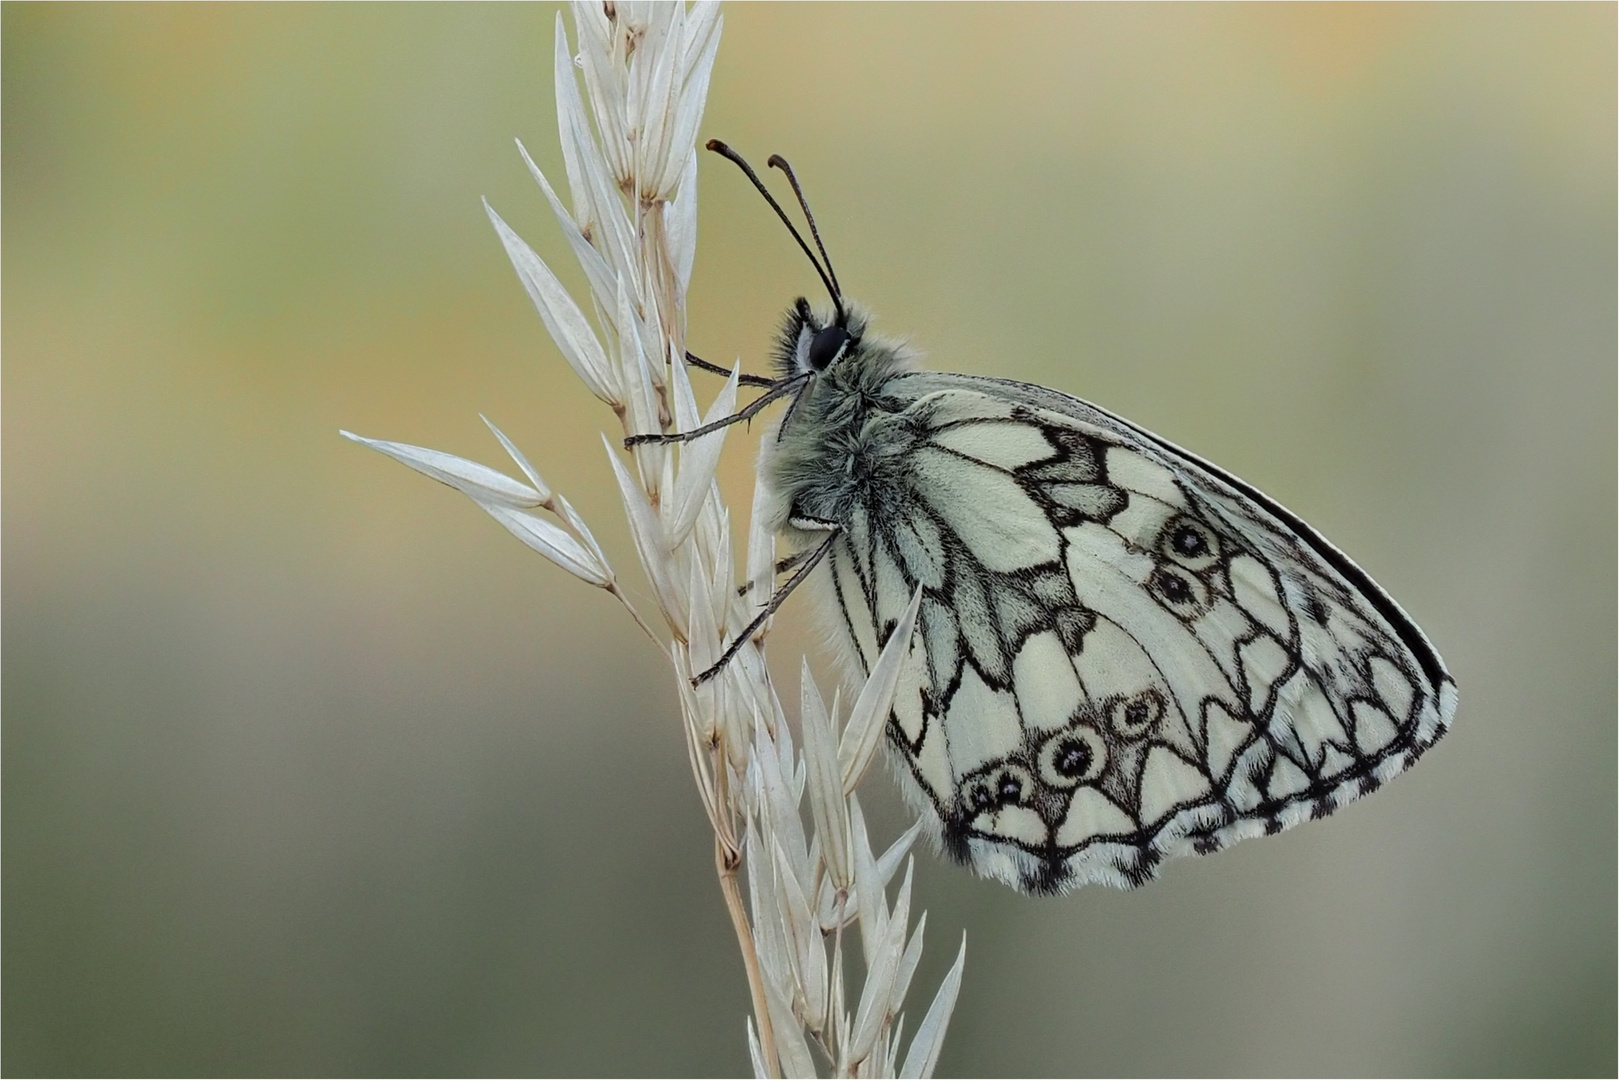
[{"x": 827, "y": 277}]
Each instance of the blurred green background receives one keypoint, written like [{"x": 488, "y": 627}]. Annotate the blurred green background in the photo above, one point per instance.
[{"x": 311, "y": 768}]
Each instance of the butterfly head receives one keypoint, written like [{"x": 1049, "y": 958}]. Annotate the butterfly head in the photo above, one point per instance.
[{"x": 812, "y": 342}]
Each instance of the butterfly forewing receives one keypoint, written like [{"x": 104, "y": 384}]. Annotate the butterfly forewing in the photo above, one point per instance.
[{"x": 1123, "y": 654}]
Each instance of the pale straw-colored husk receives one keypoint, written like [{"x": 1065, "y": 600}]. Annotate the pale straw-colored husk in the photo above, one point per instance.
[{"x": 629, "y": 148}]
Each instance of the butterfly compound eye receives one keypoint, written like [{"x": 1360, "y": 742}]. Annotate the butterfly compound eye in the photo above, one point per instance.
[{"x": 828, "y": 345}]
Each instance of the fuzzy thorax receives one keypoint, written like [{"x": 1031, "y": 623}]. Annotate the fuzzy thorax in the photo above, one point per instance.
[{"x": 842, "y": 435}]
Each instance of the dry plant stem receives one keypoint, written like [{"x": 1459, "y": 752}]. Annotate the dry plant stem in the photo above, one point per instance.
[
  {"x": 618, "y": 594},
  {"x": 727, "y": 861},
  {"x": 629, "y": 148}
]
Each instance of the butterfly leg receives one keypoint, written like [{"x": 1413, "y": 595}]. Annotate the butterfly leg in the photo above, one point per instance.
[
  {"x": 806, "y": 564},
  {"x": 782, "y": 566},
  {"x": 714, "y": 369},
  {"x": 777, "y": 390}
]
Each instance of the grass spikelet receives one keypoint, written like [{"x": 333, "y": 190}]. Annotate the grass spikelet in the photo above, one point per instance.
[{"x": 630, "y": 158}]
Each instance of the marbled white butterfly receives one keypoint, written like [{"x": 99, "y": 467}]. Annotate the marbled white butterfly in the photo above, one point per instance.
[{"x": 1123, "y": 653}]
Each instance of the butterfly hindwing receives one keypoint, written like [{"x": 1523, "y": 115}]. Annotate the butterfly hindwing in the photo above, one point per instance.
[{"x": 1123, "y": 654}]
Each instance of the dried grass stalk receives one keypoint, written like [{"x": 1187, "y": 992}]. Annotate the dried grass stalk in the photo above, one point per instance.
[{"x": 628, "y": 146}]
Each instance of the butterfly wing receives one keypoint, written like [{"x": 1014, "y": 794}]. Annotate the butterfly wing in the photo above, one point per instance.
[{"x": 1124, "y": 653}]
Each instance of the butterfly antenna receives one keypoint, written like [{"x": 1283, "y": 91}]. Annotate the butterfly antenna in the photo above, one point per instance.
[
  {"x": 778, "y": 162},
  {"x": 826, "y": 279}
]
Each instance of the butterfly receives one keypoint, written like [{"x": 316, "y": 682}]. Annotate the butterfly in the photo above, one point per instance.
[{"x": 1122, "y": 652}]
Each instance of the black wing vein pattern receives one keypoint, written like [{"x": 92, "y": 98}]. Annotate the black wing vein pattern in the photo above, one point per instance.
[{"x": 1124, "y": 654}]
